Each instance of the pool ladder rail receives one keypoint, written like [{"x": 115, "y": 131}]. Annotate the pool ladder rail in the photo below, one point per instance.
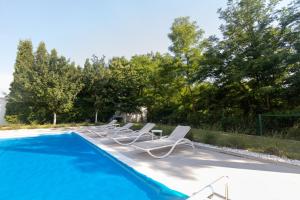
[{"x": 208, "y": 192}]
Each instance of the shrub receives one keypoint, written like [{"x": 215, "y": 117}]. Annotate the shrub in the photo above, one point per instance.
[
  {"x": 293, "y": 133},
  {"x": 273, "y": 150},
  {"x": 12, "y": 119},
  {"x": 209, "y": 138},
  {"x": 234, "y": 142}
]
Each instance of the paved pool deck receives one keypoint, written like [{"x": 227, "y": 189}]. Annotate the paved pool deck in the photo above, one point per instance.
[{"x": 187, "y": 171}]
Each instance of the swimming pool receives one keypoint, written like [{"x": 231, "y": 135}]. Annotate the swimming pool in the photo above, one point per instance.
[{"x": 65, "y": 167}]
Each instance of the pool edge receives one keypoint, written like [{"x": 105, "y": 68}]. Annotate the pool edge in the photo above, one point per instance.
[{"x": 128, "y": 162}]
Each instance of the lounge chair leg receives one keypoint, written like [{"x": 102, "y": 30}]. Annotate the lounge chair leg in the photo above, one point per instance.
[
  {"x": 193, "y": 146},
  {"x": 159, "y": 157},
  {"x": 133, "y": 141},
  {"x": 121, "y": 143},
  {"x": 165, "y": 155},
  {"x": 188, "y": 142}
]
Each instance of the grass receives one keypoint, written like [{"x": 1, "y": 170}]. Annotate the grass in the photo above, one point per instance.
[
  {"x": 34, "y": 126},
  {"x": 275, "y": 146}
]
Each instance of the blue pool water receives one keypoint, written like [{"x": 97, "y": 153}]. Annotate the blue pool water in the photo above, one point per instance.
[{"x": 67, "y": 167}]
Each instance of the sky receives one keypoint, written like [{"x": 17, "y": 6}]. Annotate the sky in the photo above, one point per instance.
[{"x": 82, "y": 28}]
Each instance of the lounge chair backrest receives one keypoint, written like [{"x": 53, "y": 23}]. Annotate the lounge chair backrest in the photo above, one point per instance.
[
  {"x": 147, "y": 128},
  {"x": 179, "y": 132},
  {"x": 128, "y": 125},
  {"x": 112, "y": 122}
]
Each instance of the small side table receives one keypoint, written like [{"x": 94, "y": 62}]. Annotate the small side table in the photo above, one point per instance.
[{"x": 156, "y": 131}]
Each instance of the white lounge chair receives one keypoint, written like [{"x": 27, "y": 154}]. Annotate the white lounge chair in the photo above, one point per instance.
[
  {"x": 128, "y": 138},
  {"x": 93, "y": 129},
  {"x": 174, "y": 139},
  {"x": 111, "y": 130},
  {"x": 111, "y": 124},
  {"x": 125, "y": 128}
]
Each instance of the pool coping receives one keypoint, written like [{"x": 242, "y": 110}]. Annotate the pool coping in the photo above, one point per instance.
[
  {"x": 138, "y": 174},
  {"x": 128, "y": 161}
]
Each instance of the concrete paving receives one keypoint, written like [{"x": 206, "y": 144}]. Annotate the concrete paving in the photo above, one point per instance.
[{"x": 187, "y": 171}]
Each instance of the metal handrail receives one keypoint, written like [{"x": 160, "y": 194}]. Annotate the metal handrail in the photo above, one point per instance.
[{"x": 210, "y": 186}]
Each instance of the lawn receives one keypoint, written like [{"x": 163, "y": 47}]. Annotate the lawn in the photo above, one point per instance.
[
  {"x": 34, "y": 126},
  {"x": 270, "y": 145}
]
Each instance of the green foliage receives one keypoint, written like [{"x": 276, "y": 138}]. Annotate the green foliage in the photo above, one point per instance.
[
  {"x": 20, "y": 97},
  {"x": 249, "y": 66},
  {"x": 43, "y": 84},
  {"x": 12, "y": 119},
  {"x": 57, "y": 81},
  {"x": 220, "y": 83},
  {"x": 94, "y": 98},
  {"x": 126, "y": 84},
  {"x": 209, "y": 138},
  {"x": 234, "y": 142},
  {"x": 260, "y": 144},
  {"x": 184, "y": 36},
  {"x": 294, "y": 132},
  {"x": 34, "y": 126},
  {"x": 251, "y": 69}
]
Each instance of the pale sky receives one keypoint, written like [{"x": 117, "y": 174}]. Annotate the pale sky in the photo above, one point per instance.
[{"x": 78, "y": 29}]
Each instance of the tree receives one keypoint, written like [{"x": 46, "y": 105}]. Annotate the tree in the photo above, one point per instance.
[
  {"x": 40, "y": 70},
  {"x": 248, "y": 64},
  {"x": 96, "y": 95},
  {"x": 224, "y": 82},
  {"x": 126, "y": 85},
  {"x": 290, "y": 29},
  {"x": 20, "y": 96},
  {"x": 42, "y": 84},
  {"x": 62, "y": 82},
  {"x": 187, "y": 48},
  {"x": 98, "y": 84},
  {"x": 145, "y": 67}
]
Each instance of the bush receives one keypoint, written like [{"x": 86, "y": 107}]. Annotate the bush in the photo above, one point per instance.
[
  {"x": 233, "y": 141},
  {"x": 293, "y": 133},
  {"x": 12, "y": 119},
  {"x": 209, "y": 138},
  {"x": 273, "y": 150}
]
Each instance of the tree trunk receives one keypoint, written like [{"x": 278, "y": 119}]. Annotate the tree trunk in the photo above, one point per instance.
[
  {"x": 54, "y": 118},
  {"x": 125, "y": 118},
  {"x": 96, "y": 117}
]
